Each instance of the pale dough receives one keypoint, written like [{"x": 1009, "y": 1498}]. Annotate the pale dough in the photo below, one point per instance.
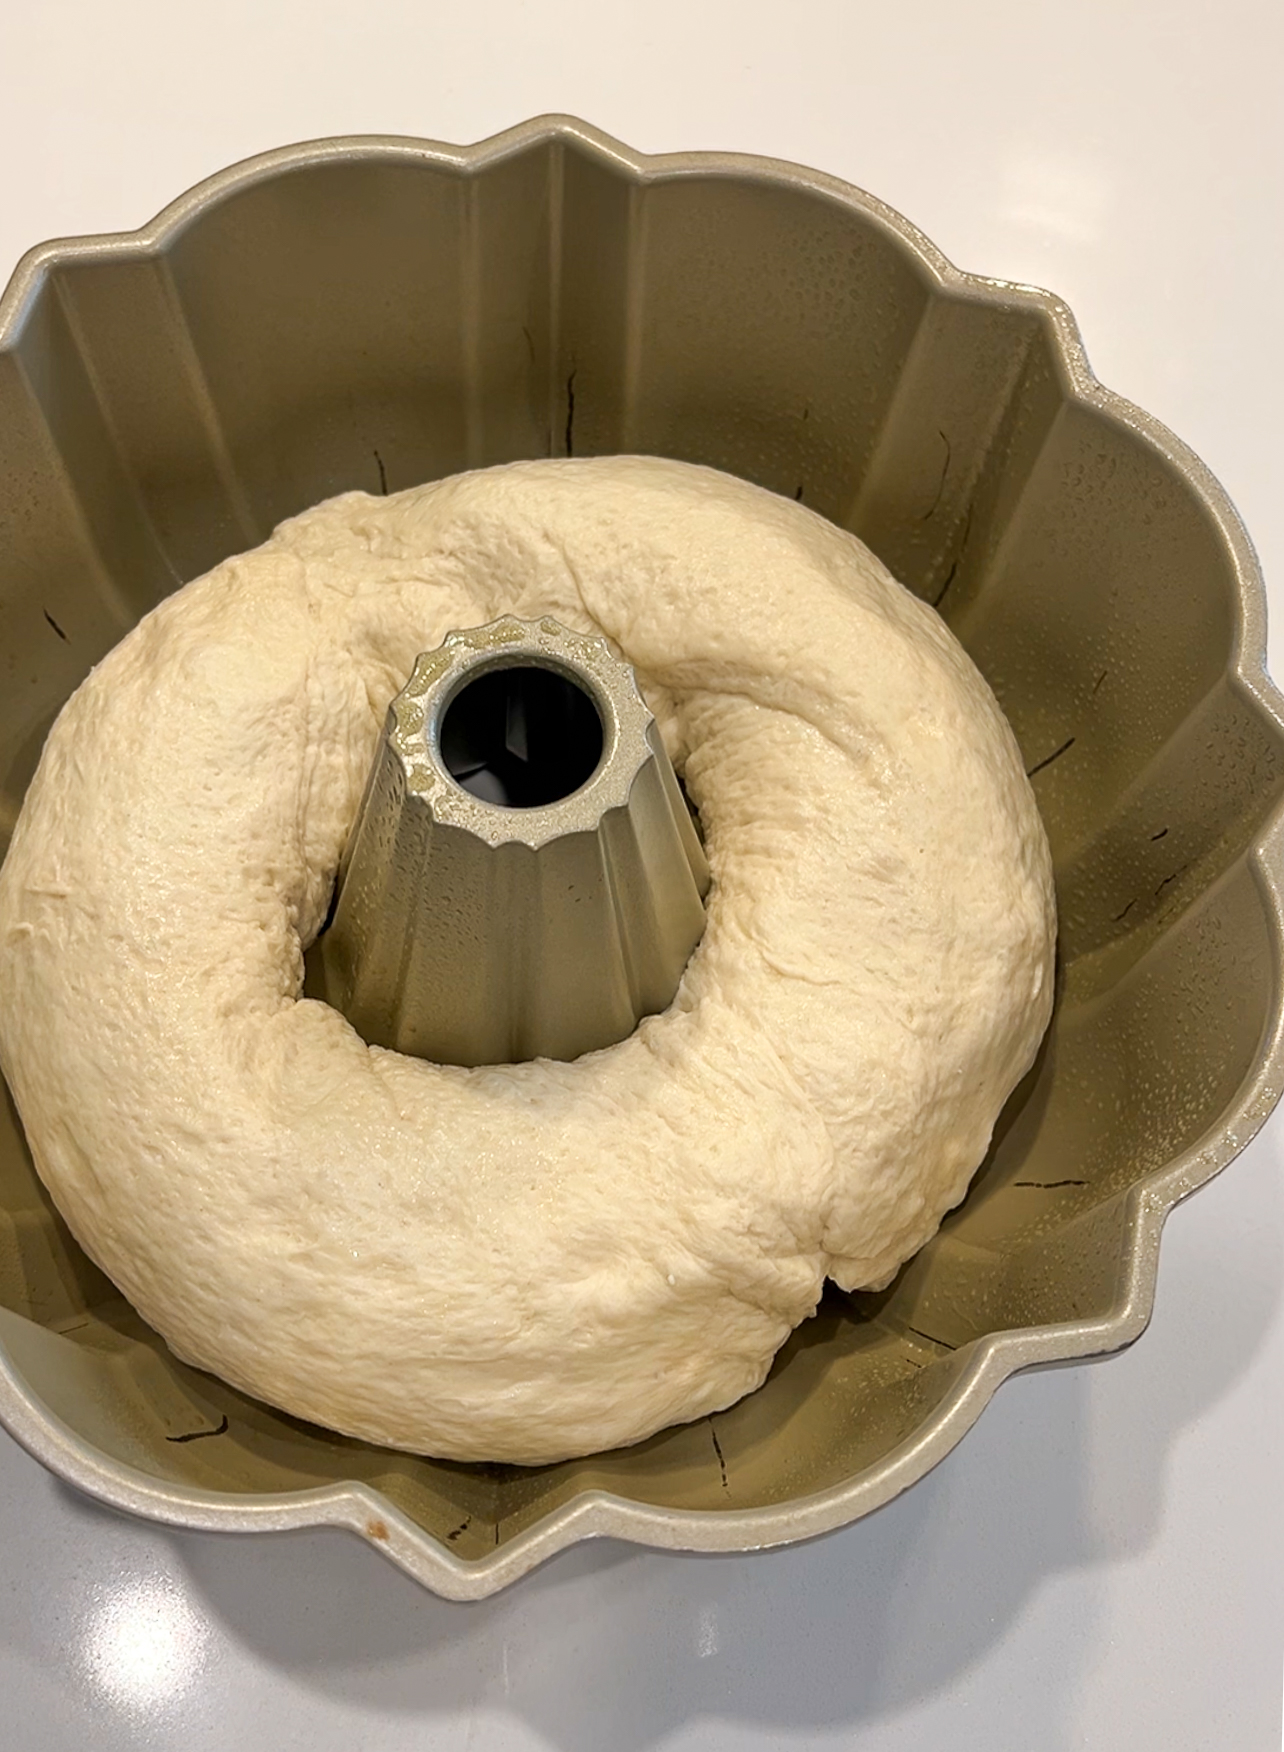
[{"x": 522, "y": 1263}]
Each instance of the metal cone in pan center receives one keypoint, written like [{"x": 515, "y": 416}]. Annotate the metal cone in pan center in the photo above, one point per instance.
[{"x": 524, "y": 879}]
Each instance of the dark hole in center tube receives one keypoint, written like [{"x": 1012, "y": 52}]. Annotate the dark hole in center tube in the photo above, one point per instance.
[{"x": 521, "y": 737}]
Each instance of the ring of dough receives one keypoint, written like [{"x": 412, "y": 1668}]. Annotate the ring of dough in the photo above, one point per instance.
[{"x": 526, "y": 1262}]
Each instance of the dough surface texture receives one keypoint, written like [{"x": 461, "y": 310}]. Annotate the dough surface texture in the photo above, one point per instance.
[{"x": 527, "y": 1262}]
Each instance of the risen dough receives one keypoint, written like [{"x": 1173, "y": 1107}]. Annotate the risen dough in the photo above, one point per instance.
[{"x": 522, "y": 1263}]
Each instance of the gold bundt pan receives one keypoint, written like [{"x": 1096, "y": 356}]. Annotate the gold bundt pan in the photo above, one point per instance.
[{"x": 378, "y": 312}]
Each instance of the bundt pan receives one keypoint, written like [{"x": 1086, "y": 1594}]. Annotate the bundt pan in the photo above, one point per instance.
[{"x": 376, "y": 312}]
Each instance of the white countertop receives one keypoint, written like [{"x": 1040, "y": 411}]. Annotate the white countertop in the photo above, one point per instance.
[{"x": 1101, "y": 1563}]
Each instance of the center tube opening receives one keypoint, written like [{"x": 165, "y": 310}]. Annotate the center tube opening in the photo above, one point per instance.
[{"x": 521, "y": 736}]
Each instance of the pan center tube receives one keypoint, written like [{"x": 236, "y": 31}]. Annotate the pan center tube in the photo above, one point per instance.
[
  {"x": 524, "y": 878},
  {"x": 521, "y": 736}
]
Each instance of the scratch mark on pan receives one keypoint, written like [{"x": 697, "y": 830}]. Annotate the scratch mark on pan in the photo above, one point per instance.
[
  {"x": 570, "y": 413},
  {"x": 1096, "y": 686},
  {"x": 1048, "y": 1185},
  {"x": 1056, "y": 754},
  {"x": 463, "y": 1527},
  {"x": 944, "y": 1343},
  {"x": 798, "y": 493},
  {"x": 1120, "y": 917},
  {"x": 939, "y": 598},
  {"x": 717, "y": 1448},
  {"x": 383, "y": 475},
  {"x": 199, "y": 1435},
  {"x": 1159, "y": 835},
  {"x": 940, "y": 485},
  {"x": 1167, "y": 879},
  {"x": 530, "y": 342},
  {"x": 53, "y": 623}
]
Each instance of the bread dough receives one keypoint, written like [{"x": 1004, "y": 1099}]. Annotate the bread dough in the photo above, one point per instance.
[{"x": 525, "y": 1262}]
